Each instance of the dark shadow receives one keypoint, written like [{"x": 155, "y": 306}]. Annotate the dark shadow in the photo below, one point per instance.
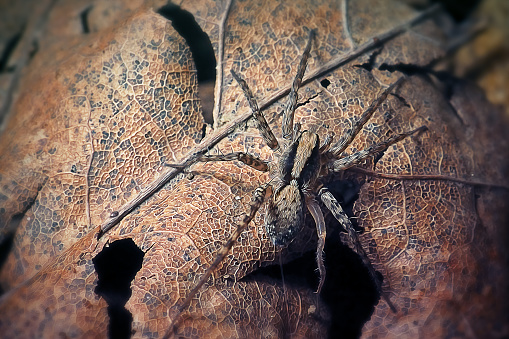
[
  {"x": 201, "y": 49},
  {"x": 348, "y": 291},
  {"x": 460, "y": 10}
]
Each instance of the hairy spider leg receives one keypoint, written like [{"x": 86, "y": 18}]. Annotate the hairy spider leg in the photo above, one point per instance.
[
  {"x": 317, "y": 215},
  {"x": 261, "y": 125},
  {"x": 260, "y": 121},
  {"x": 354, "y": 159},
  {"x": 243, "y": 157},
  {"x": 257, "y": 200},
  {"x": 288, "y": 133},
  {"x": 350, "y": 134},
  {"x": 337, "y": 211}
]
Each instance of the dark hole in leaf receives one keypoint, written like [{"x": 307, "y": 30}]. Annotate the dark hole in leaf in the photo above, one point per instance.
[
  {"x": 116, "y": 267},
  {"x": 325, "y": 83},
  {"x": 408, "y": 69},
  {"x": 348, "y": 292},
  {"x": 84, "y": 20},
  {"x": 201, "y": 48},
  {"x": 5, "y": 249},
  {"x": 9, "y": 47}
]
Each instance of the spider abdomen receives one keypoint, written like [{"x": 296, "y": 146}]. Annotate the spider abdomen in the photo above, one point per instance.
[{"x": 285, "y": 214}]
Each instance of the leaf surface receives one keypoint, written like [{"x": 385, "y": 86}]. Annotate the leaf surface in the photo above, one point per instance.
[{"x": 99, "y": 115}]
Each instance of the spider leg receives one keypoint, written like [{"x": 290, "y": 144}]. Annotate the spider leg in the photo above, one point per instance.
[
  {"x": 261, "y": 123},
  {"x": 325, "y": 144},
  {"x": 347, "y": 138},
  {"x": 257, "y": 201},
  {"x": 317, "y": 214},
  {"x": 292, "y": 97},
  {"x": 354, "y": 159},
  {"x": 333, "y": 205},
  {"x": 296, "y": 128},
  {"x": 246, "y": 158}
]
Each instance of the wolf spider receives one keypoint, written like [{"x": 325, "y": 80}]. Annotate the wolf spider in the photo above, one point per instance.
[{"x": 298, "y": 176}]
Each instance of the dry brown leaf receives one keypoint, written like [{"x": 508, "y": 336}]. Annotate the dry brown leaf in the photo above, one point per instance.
[{"x": 92, "y": 131}]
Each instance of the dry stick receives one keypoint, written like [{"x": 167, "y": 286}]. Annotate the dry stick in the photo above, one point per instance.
[
  {"x": 218, "y": 90},
  {"x": 211, "y": 140},
  {"x": 416, "y": 177}
]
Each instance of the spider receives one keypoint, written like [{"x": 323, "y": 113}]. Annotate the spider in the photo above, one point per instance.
[{"x": 298, "y": 177}]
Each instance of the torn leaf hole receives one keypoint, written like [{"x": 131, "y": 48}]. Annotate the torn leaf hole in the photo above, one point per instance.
[
  {"x": 407, "y": 69},
  {"x": 202, "y": 51},
  {"x": 116, "y": 267},
  {"x": 325, "y": 83}
]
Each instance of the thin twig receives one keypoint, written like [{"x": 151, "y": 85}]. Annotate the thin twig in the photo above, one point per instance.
[{"x": 417, "y": 177}]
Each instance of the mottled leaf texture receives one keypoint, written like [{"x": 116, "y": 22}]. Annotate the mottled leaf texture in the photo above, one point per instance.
[{"x": 98, "y": 115}]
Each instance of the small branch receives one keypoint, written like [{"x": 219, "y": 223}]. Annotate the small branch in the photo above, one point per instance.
[
  {"x": 218, "y": 90},
  {"x": 416, "y": 177}
]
